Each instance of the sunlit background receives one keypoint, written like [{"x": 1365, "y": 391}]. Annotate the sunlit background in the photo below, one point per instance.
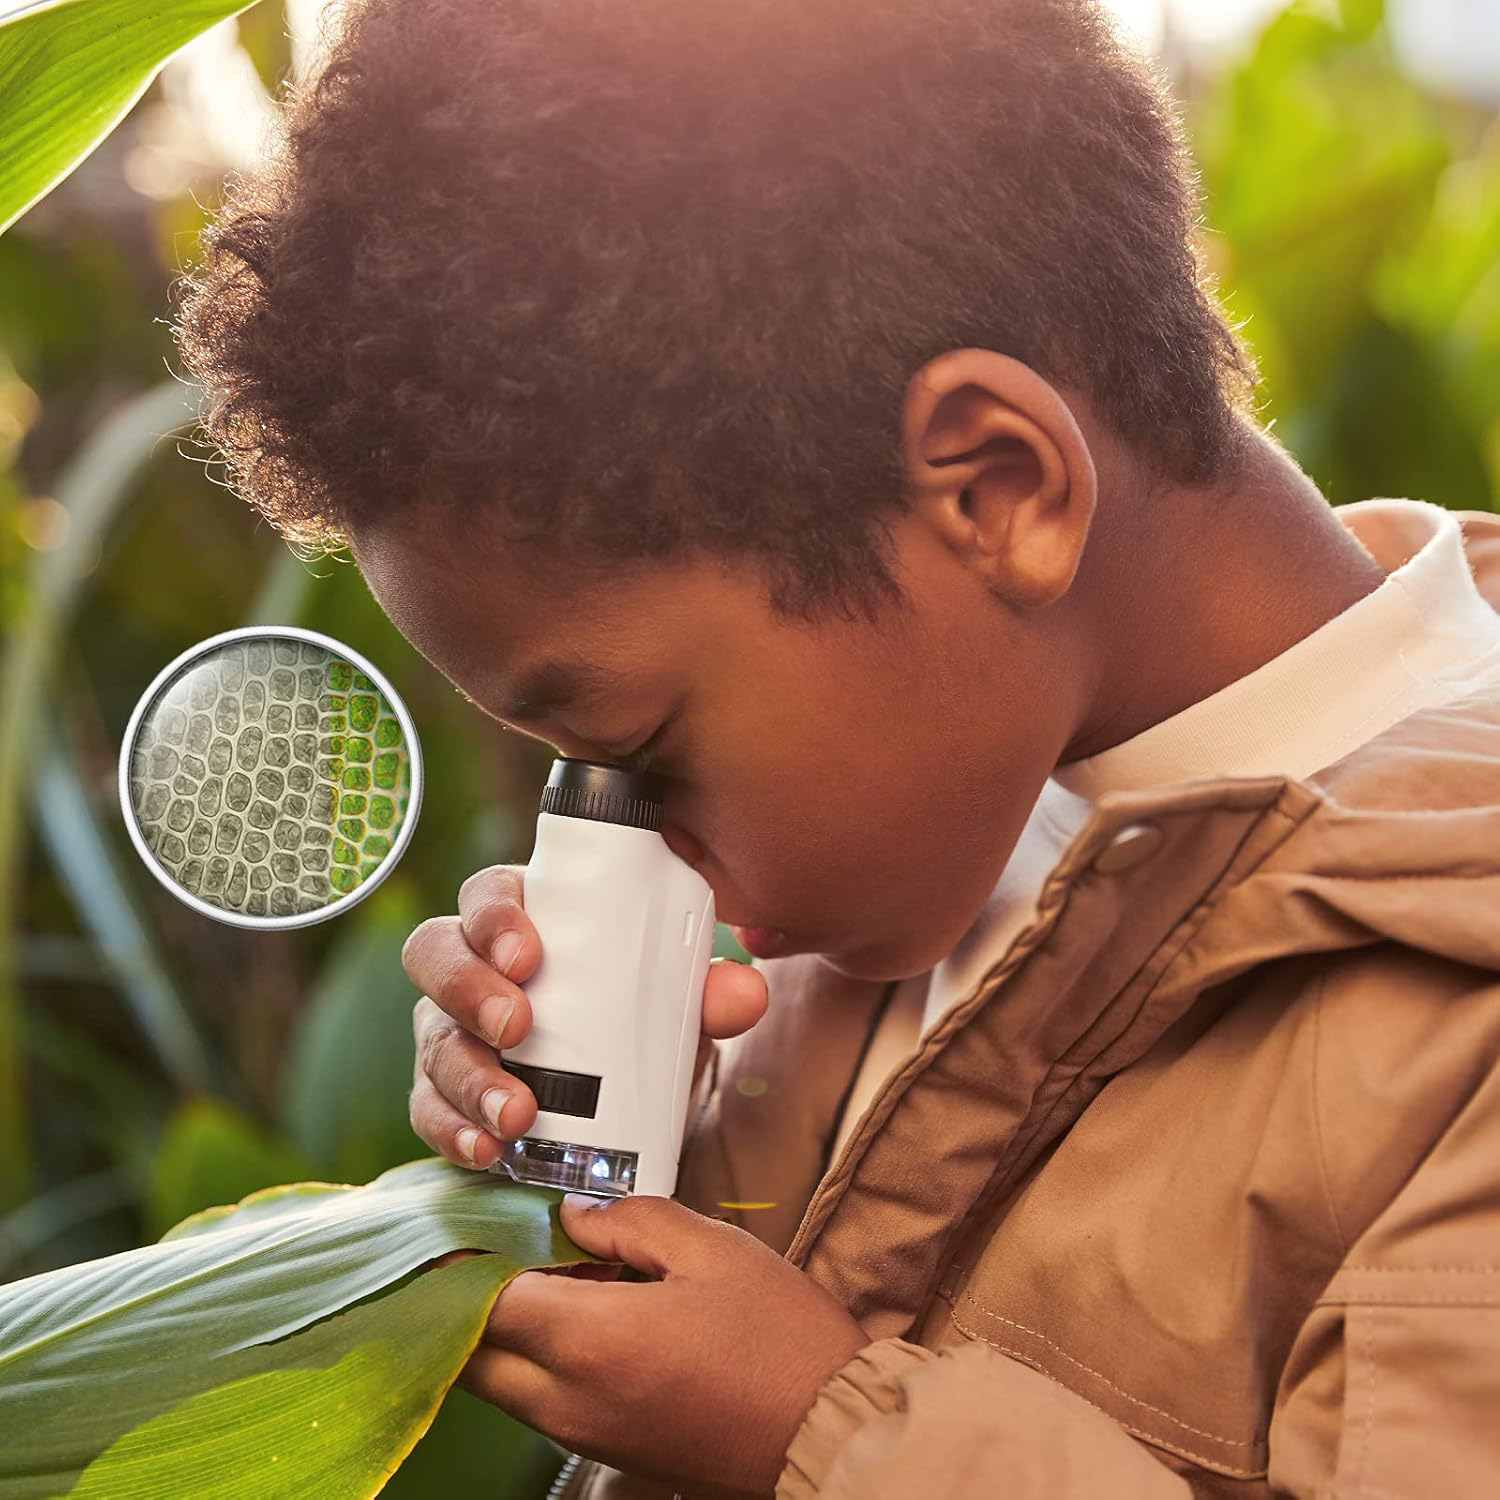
[
  {"x": 153, "y": 1062},
  {"x": 1451, "y": 44}
]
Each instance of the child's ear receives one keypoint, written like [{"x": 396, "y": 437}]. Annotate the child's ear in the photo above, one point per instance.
[{"x": 998, "y": 466}]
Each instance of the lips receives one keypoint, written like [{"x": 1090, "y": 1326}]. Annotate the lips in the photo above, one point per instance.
[{"x": 760, "y": 942}]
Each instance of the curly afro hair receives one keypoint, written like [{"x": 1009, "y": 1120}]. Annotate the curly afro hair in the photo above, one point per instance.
[{"x": 633, "y": 279}]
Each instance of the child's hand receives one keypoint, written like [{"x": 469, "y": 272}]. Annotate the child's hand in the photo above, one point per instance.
[
  {"x": 463, "y": 1104},
  {"x": 702, "y": 1377}
]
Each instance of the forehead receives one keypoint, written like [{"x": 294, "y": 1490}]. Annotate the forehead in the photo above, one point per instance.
[{"x": 521, "y": 637}]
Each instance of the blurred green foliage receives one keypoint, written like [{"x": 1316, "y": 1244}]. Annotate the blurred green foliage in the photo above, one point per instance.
[
  {"x": 168, "y": 1063},
  {"x": 1358, "y": 238}
]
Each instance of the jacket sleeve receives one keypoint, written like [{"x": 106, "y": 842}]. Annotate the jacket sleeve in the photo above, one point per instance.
[{"x": 968, "y": 1424}]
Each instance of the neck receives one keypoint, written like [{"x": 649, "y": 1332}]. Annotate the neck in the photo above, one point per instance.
[{"x": 1198, "y": 588}]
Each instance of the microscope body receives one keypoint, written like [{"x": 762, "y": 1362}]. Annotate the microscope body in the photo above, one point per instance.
[{"x": 627, "y": 931}]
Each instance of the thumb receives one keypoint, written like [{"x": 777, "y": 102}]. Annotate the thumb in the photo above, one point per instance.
[
  {"x": 652, "y": 1234},
  {"x": 735, "y": 997}
]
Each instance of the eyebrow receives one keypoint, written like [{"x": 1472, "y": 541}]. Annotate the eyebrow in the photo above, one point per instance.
[{"x": 553, "y": 685}]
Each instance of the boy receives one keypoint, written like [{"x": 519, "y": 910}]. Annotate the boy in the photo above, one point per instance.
[{"x": 821, "y": 402}]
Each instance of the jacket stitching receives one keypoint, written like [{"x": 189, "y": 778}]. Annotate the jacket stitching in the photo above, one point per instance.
[
  {"x": 1393, "y": 877},
  {"x": 1151, "y": 1437},
  {"x": 1369, "y": 1422},
  {"x": 968, "y": 1301},
  {"x": 1065, "y": 1078},
  {"x": 1060, "y": 886},
  {"x": 1322, "y": 1155},
  {"x": 1411, "y": 1299},
  {"x": 839, "y": 1175},
  {"x": 1193, "y": 926},
  {"x": 1471, "y": 1270},
  {"x": 1014, "y": 1159}
]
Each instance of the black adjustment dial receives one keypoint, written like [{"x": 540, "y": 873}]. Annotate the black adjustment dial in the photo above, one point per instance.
[{"x": 562, "y": 1092}]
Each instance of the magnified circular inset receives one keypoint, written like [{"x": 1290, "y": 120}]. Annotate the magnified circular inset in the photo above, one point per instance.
[{"x": 270, "y": 777}]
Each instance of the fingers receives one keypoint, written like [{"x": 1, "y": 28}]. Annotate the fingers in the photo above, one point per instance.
[
  {"x": 515, "y": 1384},
  {"x": 463, "y": 1104},
  {"x": 734, "y": 998},
  {"x": 538, "y": 1312},
  {"x": 459, "y": 1086},
  {"x": 447, "y": 1131},
  {"x": 439, "y": 961},
  {"x": 494, "y": 920}
]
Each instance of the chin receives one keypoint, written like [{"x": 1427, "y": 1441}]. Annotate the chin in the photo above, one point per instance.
[{"x": 876, "y": 962}]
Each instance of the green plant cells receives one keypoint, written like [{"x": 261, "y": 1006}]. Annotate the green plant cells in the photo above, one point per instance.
[{"x": 270, "y": 776}]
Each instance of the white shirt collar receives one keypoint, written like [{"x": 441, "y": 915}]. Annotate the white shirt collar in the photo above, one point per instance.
[{"x": 1418, "y": 639}]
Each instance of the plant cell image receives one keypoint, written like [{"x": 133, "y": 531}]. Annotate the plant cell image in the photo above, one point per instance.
[{"x": 270, "y": 777}]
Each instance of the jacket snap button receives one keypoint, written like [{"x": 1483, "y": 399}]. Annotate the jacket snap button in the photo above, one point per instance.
[{"x": 1130, "y": 845}]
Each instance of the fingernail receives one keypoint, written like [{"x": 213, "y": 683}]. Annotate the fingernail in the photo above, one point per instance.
[
  {"x": 493, "y": 1015},
  {"x": 507, "y": 945},
  {"x": 467, "y": 1140},
  {"x": 585, "y": 1200},
  {"x": 491, "y": 1102}
]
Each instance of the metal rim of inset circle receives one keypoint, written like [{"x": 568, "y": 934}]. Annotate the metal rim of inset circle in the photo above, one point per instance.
[{"x": 408, "y": 821}]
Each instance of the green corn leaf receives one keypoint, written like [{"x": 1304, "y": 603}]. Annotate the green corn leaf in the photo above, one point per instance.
[
  {"x": 330, "y": 1412},
  {"x": 285, "y": 1344},
  {"x": 69, "y": 73}
]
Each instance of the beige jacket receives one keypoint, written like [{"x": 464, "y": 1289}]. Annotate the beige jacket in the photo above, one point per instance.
[{"x": 1198, "y": 1192}]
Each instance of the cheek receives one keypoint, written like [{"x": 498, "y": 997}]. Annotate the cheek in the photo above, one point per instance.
[
  {"x": 887, "y": 851},
  {"x": 838, "y": 811},
  {"x": 809, "y": 841}
]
